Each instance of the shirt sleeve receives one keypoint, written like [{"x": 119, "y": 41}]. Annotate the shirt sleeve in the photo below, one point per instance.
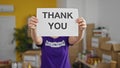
[{"x": 38, "y": 45}]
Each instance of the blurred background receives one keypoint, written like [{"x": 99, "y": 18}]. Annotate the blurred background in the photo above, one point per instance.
[{"x": 102, "y": 18}]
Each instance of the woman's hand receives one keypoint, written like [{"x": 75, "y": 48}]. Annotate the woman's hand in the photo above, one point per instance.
[
  {"x": 32, "y": 22},
  {"x": 82, "y": 23}
]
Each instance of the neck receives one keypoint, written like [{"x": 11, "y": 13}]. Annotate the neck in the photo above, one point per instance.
[{"x": 54, "y": 36}]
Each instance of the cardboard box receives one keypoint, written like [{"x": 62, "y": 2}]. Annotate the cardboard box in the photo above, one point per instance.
[
  {"x": 118, "y": 66},
  {"x": 98, "y": 41},
  {"x": 5, "y": 63},
  {"x": 112, "y": 64},
  {"x": 113, "y": 54},
  {"x": 111, "y": 46},
  {"x": 32, "y": 57},
  {"x": 103, "y": 65},
  {"x": 111, "y": 49},
  {"x": 98, "y": 52},
  {"x": 73, "y": 51},
  {"x": 100, "y": 32},
  {"x": 89, "y": 34}
]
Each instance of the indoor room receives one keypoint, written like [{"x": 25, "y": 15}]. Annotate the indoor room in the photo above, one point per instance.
[{"x": 59, "y": 34}]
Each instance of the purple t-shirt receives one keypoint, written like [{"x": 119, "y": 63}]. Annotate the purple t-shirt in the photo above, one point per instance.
[{"x": 55, "y": 53}]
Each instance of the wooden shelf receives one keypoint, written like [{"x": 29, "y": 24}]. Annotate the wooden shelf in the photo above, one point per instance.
[{"x": 89, "y": 65}]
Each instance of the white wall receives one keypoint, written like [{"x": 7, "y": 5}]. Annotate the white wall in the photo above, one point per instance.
[
  {"x": 101, "y": 12},
  {"x": 87, "y": 8},
  {"x": 61, "y": 3},
  {"x": 76, "y": 4},
  {"x": 91, "y": 11},
  {"x": 109, "y": 16},
  {"x": 72, "y": 4},
  {"x": 7, "y": 49}
]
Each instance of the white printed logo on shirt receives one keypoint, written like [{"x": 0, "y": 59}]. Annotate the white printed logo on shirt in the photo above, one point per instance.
[{"x": 55, "y": 44}]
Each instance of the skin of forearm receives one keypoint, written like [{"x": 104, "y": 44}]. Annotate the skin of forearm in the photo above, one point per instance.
[
  {"x": 35, "y": 38},
  {"x": 80, "y": 37}
]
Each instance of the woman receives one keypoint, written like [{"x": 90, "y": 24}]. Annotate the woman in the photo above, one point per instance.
[{"x": 55, "y": 49}]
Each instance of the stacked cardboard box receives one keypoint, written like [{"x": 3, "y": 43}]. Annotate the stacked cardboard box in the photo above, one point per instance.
[
  {"x": 74, "y": 50},
  {"x": 118, "y": 60},
  {"x": 89, "y": 34},
  {"x": 111, "y": 49},
  {"x": 98, "y": 41},
  {"x": 112, "y": 64},
  {"x": 100, "y": 46},
  {"x": 5, "y": 63},
  {"x": 100, "y": 32},
  {"x": 32, "y": 57},
  {"x": 89, "y": 38},
  {"x": 96, "y": 44}
]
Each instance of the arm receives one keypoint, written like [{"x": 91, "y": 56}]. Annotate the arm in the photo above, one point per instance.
[
  {"x": 32, "y": 25},
  {"x": 82, "y": 25}
]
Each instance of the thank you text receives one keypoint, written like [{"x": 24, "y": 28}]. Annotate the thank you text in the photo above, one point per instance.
[{"x": 57, "y": 22}]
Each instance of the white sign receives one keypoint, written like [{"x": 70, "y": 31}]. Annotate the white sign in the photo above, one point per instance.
[{"x": 57, "y": 22}]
